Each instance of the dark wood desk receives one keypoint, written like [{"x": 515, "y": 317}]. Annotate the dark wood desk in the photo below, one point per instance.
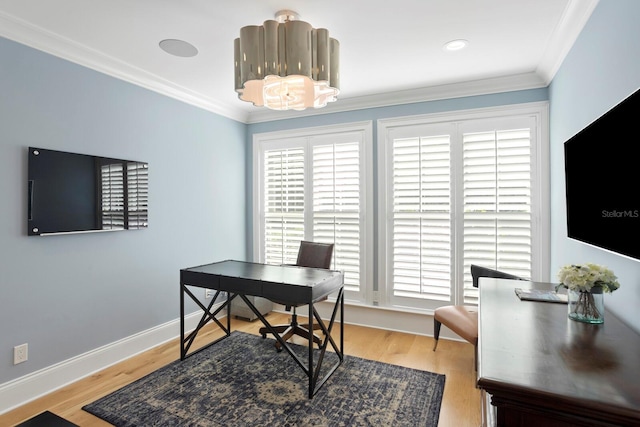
[
  {"x": 541, "y": 369},
  {"x": 288, "y": 284}
]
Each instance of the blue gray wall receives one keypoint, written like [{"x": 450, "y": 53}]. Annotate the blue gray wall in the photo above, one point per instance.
[
  {"x": 602, "y": 68},
  {"x": 66, "y": 295}
]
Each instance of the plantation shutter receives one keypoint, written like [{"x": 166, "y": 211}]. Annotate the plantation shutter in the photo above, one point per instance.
[
  {"x": 497, "y": 203},
  {"x": 421, "y": 225},
  {"x": 336, "y": 205},
  {"x": 312, "y": 185},
  {"x": 283, "y": 204}
]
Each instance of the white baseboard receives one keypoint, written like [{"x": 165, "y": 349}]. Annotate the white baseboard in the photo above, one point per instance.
[{"x": 37, "y": 384}]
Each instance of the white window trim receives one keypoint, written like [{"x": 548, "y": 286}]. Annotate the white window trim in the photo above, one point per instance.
[
  {"x": 366, "y": 213},
  {"x": 540, "y": 167}
]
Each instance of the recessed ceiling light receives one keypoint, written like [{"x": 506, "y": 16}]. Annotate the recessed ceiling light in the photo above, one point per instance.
[
  {"x": 455, "y": 45},
  {"x": 178, "y": 48}
]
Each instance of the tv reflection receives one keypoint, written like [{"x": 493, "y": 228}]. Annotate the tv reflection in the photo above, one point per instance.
[{"x": 123, "y": 194}]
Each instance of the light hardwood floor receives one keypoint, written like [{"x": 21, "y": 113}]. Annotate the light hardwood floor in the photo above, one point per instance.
[{"x": 460, "y": 405}]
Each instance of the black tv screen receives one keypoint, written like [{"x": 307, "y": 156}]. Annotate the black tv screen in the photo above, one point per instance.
[
  {"x": 602, "y": 174},
  {"x": 71, "y": 193}
]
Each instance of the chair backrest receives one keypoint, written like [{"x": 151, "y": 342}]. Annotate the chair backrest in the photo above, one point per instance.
[
  {"x": 315, "y": 255},
  {"x": 478, "y": 271}
]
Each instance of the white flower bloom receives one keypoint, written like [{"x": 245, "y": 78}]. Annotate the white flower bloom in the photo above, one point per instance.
[{"x": 584, "y": 277}]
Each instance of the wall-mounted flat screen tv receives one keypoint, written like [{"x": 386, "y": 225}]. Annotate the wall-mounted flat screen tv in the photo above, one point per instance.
[
  {"x": 602, "y": 171},
  {"x": 73, "y": 193}
]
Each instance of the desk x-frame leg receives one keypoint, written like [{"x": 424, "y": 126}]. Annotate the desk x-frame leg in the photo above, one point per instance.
[
  {"x": 315, "y": 383},
  {"x": 207, "y": 316},
  {"x": 313, "y": 373}
]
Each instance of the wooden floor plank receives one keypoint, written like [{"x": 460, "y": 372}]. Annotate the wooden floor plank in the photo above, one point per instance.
[{"x": 460, "y": 405}]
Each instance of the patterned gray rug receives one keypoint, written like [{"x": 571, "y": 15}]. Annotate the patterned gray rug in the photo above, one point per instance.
[{"x": 243, "y": 381}]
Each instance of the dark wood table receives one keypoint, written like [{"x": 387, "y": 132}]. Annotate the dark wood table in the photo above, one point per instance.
[
  {"x": 285, "y": 284},
  {"x": 539, "y": 368}
]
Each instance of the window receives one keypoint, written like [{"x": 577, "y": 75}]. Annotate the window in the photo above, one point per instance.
[
  {"x": 452, "y": 189},
  {"x": 460, "y": 189},
  {"x": 421, "y": 211},
  {"x": 283, "y": 202},
  {"x": 497, "y": 202},
  {"x": 313, "y": 185}
]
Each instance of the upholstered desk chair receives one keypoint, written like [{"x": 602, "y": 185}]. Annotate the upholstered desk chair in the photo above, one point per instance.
[
  {"x": 314, "y": 255},
  {"x": 462, "y": 319}
]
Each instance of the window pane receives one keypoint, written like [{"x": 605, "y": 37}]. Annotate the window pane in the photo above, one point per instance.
[
  {"x": 421, "y": 217},
  {"x": 497, "y": 203},
  {"x": 336, "y": 206},
  {"x": 284, "y": 204}
]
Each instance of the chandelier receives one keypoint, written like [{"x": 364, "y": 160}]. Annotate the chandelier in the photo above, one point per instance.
[{"x": 286, "y": 64}]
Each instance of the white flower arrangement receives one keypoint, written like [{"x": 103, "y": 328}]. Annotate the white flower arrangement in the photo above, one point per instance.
[
  {"x": 586, "y": 284},
  {"x": 582, "y": 278}
]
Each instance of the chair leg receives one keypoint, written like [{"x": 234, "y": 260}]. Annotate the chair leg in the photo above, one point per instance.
[
  {"x": 281, "y": 328},
  {"x": 295, "y": 329},
  {"x": 291, "y": 329},
  {"x": 278, "y": 328},
  {"x": 436, "y": 332}
]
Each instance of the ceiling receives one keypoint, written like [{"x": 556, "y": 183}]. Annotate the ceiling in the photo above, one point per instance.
[{"x": 391, "y": 52}]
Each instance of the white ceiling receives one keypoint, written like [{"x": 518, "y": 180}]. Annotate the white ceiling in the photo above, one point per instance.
[{"x": 390, "y": 51}]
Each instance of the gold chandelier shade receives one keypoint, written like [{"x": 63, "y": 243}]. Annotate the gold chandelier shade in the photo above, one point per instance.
[{"x": 286, "y": 65}]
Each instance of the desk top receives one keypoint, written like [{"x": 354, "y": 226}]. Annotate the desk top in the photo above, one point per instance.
[
  {"x": 532, "y": 349},
  {"x": 282, "y": 283}
]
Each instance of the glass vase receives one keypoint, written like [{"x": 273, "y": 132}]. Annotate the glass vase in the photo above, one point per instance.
[{"x": 586, "y": 306}]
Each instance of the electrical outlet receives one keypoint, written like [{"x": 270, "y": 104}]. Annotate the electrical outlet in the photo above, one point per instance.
[
  {"x": 209, "y": 293},
  {"x": 20, "y": 353}
]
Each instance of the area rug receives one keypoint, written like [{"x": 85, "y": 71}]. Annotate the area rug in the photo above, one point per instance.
[{"x": 244, "y": 381}]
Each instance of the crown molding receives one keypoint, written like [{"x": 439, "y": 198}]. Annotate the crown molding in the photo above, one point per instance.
[
  {"x": 568, "y": 29},
  {"x": 573, "y": 20},
  {"x": 38, "y": 38}
]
